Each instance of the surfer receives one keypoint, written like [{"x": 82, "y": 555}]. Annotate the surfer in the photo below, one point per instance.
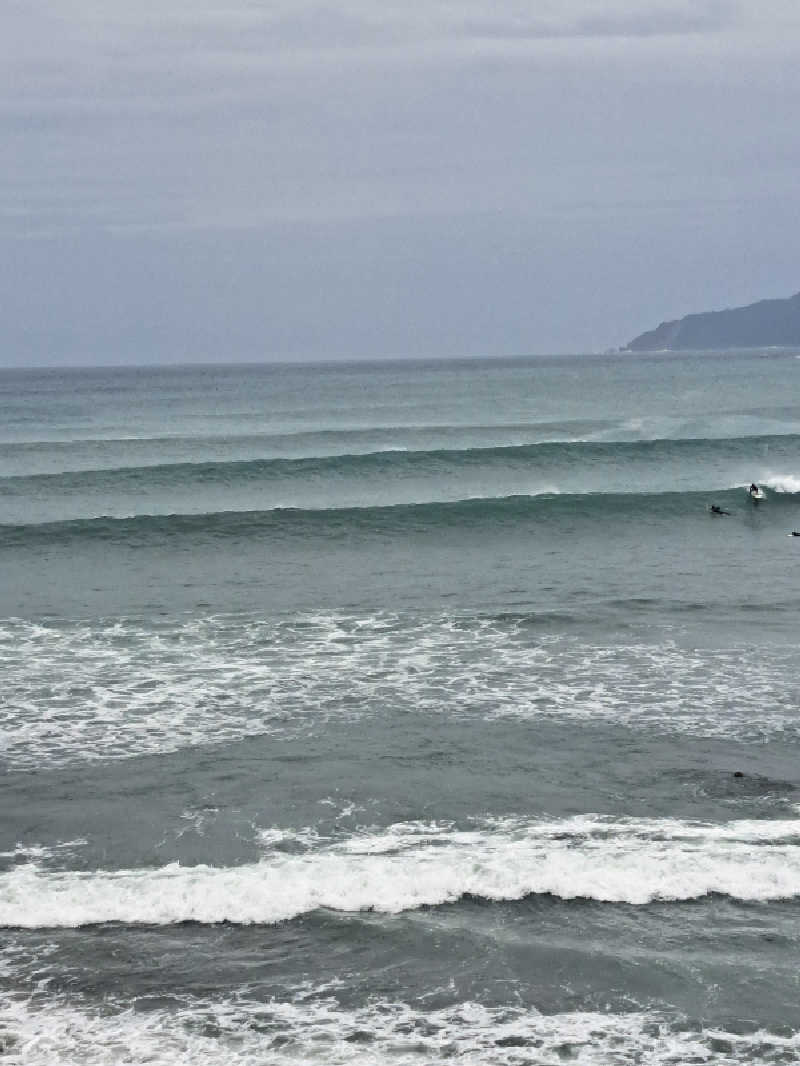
[
  {"x": 753, "y": 490},
  {"x": 718, "y": 510},
  {"x": 795, "y": 533}
]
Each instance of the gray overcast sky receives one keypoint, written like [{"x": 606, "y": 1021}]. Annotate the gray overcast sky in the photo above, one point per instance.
[{"x": 239, "y": 179}]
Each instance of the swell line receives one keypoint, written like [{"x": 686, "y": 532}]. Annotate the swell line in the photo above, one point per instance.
[
  {"x": 385, "y": 463},
  {"x": 387, "y": 519}
]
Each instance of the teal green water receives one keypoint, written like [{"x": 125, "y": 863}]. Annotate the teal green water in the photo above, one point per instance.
[{"x": 392, "y": 713}]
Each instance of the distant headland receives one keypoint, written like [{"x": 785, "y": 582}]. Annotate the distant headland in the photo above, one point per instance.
[{"x": 766, "y": 324}]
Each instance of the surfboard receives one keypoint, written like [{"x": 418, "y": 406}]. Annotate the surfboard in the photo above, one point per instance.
[{"x": 758, "y": 495}]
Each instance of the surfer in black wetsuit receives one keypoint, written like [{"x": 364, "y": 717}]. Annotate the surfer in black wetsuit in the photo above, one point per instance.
[
  {"x": 795, "y": 533},
  {"x": 753, "y": 489},
  {"x": 718, "y": 510}
]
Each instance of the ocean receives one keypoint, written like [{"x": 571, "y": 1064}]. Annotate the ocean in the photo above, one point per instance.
[{"x": 401, "y": 713}]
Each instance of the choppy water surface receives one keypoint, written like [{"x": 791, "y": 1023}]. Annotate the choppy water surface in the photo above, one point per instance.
[{"x": 401, "y": 713}]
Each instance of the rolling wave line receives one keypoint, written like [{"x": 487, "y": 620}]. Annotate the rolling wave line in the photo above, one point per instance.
[
  {"x": 387, "y": 519},
  {"x": 400, "y": 462}
]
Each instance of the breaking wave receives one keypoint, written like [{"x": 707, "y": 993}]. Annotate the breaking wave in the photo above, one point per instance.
[{"x": 412, "y": 865}]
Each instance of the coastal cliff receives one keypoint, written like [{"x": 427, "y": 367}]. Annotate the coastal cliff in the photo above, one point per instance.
[{"x": 768, "y": 323}]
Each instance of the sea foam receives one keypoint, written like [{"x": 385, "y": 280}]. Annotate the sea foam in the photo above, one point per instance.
[
  {"x": 310, "y": 1028},
  {"x": 120, "y": 688}
]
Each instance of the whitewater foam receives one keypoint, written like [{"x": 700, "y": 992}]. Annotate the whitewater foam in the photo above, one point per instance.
[
  {"x": 788, "y": 483},
  {"x": 40, "y": 853},
  {"x": 310, "y": 1026},
  {"x": 121, "y": 688},
  {"x": 411, "y": 865}
]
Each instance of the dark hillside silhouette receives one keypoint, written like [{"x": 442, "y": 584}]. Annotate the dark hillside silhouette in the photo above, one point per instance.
[{"x": 768, "y": 323}]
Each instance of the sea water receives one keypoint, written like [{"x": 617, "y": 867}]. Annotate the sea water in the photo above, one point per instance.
[{"x": 401, "y": 713}]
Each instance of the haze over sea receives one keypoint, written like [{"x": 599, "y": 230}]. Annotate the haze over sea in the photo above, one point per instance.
[{"x": 392, "y": 713}]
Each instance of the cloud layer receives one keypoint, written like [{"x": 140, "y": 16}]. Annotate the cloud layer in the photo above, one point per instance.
[{"x": 432, "y": 156}]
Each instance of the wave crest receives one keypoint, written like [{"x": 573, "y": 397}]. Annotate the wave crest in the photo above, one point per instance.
[{"x": 635, "y": 861}]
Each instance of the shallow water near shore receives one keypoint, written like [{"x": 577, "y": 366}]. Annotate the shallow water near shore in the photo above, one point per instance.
[{"x": 401, "y": 712}]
